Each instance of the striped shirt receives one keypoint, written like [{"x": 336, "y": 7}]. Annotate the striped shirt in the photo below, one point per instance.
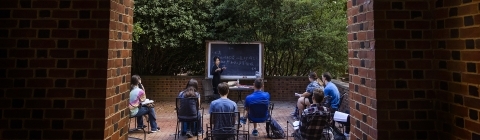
[{"x": 137, "y": 95}]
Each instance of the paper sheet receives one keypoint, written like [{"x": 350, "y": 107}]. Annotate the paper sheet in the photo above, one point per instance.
[
  {"x": 340, "y": 116},
  {"x": 147, "y": 101}
]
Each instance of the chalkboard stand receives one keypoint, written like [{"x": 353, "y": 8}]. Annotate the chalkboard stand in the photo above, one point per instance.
[{"x": 241, "y": 59}]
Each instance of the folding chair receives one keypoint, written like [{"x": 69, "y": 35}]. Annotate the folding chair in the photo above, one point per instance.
[
  {"x": 143, "y": 128},
  {"x": 188, "y": 110},
  {"x": 257, "y": 111},
  {"x": 225, "y": 126},
  {"x": 342, "y": 97}
]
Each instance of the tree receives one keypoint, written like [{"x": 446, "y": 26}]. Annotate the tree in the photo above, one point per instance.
[
  {"x": 300, "y": 36},
  {"x": 169, "y": 34}
]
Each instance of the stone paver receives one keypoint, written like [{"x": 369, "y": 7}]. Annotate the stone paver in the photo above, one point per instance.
[{"x": 166, "y": 119}]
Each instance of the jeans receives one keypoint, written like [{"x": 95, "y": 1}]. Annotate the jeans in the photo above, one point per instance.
[{"x": 151, "y": 117}]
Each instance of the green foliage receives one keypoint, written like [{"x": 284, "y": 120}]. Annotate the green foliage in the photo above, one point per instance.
[
  {"x": 299, "y": 35},
  {"x": 169, "y": 36}
]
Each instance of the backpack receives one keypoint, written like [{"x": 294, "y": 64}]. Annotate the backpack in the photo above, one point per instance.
[{"x": 277, "y": 130}]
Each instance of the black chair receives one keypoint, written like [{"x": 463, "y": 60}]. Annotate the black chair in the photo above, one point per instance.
[
  {"x": 341, "y": 109},
  {"x": 143, "y": 128},
  {"x": 188, "y": 110},
  {"x": 257, "y": 110},
  {"x": 225, "y": 125}
]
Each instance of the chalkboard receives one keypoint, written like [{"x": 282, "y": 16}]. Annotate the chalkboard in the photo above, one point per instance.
[{"x": 242, "y": 60}]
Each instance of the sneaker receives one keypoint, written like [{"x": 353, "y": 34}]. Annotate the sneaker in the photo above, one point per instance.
[
  {"x": 189, "y": 134},
  {"x": 153, "y": 131},
  {"x": 243, "y": 120},
  {"x": 141, "y": 127},
  {"x": 255, "y": 132}
]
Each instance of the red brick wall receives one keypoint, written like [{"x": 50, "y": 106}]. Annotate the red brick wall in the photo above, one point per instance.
[
  {"x": 361, "y": 60},
  {"x": 55, "y": 55},
  {"x": 414, "y": 75},
  {"x": 166, "y": 88},
  {"x": 118, "y": 69},
  {"x": 456, "y": 42},
  {"x": 405, "y": 99}
]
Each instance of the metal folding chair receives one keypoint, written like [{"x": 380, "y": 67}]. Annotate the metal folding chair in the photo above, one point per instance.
[{"x": 188, "y": 110}]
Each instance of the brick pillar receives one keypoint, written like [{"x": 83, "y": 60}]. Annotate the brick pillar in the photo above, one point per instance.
[
  {"x": 56, "y": 69},
  {"x": 118, "y": 69},
  {"x": 417, "y": 77},
  {"x": 457, "y": 53},
  {"x": 404, "y": 56},
  {"x": 361, "y": 60}
]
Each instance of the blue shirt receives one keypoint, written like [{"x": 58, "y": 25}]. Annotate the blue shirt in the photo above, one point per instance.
[
  {"x": 254, "y": 97},
  {"x": 223, "y": 105},
  {"x": 313, "y": 85},
  {"x": 332, "y": 91}
]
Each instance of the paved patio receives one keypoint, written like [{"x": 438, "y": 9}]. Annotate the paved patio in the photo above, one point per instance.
[{"x": 166, "y": 119}]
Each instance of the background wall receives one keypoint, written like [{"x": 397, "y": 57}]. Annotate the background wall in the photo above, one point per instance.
[{"x": 166, "y": 88}]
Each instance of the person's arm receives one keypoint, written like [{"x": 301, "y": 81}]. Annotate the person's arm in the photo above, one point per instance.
[
  {"x": 305, "y": 94},
  {"x": 213, "y": 70}
]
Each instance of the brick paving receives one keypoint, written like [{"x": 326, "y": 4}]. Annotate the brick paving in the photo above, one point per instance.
[{"x": 166, "y": 120}]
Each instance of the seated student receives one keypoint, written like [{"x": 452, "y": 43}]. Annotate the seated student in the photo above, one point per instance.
[
  {"x": 223, "y": 104},
  {"x": 191, "y": 91},
  {"x": 331, "y": 90},
  {"x": 257, "y": 95},
  {"x": 306, "y": 98},
  {"x": 137, "y": 96},
  {"x": 313, "y": 128}
]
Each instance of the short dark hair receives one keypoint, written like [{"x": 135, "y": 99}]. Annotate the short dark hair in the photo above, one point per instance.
[
  {"x": 215, "y": 58},
  {"x": 258, "y": 83},
  {"x": 223, "y": 88},
  {"x": 313, "y": 75},
  {"x": 135, "y": 80},
  {"x": 192, "y": 83},
  {"x": 318, "y": 95},
  {"x": 327, "y": 76}
]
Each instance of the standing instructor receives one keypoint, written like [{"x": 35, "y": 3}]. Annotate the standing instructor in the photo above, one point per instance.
[{"x": 216, "y": 71}]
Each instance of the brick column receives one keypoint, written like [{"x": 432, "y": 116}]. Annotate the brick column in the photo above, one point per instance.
[
  {"x": 55, "y": 55},
  {"x": 118, "y": 69},
  {"x": 417, "y": 78},
  {"x": 457, "y": 53},
  {"x": 361, "y": 60}
]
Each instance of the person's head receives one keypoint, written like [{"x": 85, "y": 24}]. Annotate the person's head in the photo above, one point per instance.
[
  {"x": 318, "y": 95},
  {"x": 216, "y": 59},
  {"x": 312, "y": 76},
  {"x": 258, "y": 84},
  {"x": 192, "y": 83},
  {"x": 223, "y": 88},
  {"x": 135, "y": 80},
  {"x": 326, "y": 76},
  {"x": 189, "y": 92}
]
